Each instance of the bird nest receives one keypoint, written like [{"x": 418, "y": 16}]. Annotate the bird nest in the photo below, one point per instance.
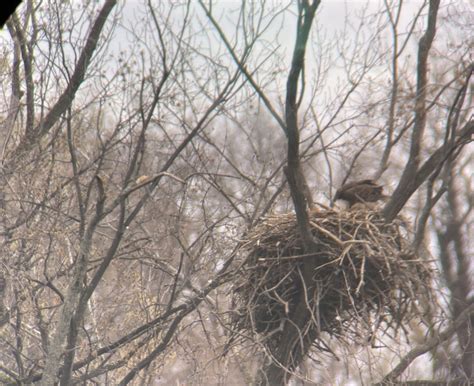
[{"x": 363, "y": 278}]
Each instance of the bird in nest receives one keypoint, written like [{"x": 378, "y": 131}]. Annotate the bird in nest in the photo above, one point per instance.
[{"x": 360, "y": 192}]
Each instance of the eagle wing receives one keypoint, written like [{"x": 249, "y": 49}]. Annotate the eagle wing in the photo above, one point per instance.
[{"x": 360, "y": 191}]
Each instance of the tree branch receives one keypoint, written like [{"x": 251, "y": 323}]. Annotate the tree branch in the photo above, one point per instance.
[
  {"x": 298, "y": 187},
  {"x": 242, "y": 68},
  {"x": 427, "y": 346},
  {"x": 399, "y": 197},
  {"x": 66, "y": 98}
]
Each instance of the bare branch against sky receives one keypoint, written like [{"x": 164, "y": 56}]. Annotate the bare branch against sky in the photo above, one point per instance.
[{"x": 171, "y": 176}]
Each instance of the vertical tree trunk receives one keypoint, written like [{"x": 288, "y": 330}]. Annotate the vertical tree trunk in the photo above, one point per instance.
[
  {"x": 296, "y": 341},
  {"x": 408, "y": 182}
]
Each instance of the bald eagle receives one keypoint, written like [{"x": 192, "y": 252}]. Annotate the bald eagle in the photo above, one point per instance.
[{"x": 360, "y": 192}]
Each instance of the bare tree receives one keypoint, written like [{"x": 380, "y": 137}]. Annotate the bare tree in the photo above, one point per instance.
[
  {"x": 139, "y": 145},
  {"x": 294, "y": 346}
]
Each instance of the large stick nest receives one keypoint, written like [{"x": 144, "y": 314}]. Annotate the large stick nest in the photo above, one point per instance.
[{"x": 364, "y": 277}]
